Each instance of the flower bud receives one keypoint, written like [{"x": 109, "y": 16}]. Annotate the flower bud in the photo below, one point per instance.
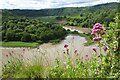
[
  {"x": 105, "y": 48},
  {"x": 94, "y": 49},
  {"x": 65, "y": 46},
  {"x": 6, "y": 55},
  {"x": 97, "y": 38},
  {"x": 75, "y": 51},
  {"x": 86, "y": 55}
]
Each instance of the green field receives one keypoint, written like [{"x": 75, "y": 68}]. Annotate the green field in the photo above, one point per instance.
[
  {"x": 48, "y": 18},
  {"x": 19, "y": 44},
  {"x": 75, "y": 16}
]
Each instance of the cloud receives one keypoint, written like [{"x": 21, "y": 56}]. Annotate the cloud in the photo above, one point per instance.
[{"x": 42, "y": 4}]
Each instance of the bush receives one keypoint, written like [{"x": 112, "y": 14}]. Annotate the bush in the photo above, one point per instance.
[
  {"x": 55, "y": 41},
  {"x": 6, "y": 40},
  {"x": 26, "y": 37},
  {"x": 39, "y": 41}
]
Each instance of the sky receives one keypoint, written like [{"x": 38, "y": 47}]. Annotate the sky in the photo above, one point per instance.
[{"x": 45, "y": 4}]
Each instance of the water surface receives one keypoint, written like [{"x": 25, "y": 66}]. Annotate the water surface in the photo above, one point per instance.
[{"x": 50, "y": 52}]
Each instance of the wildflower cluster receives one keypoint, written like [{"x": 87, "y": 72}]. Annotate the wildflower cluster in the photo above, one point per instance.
[
  {"x": 67, "y": 49},
  {"x": 98, "y": 31}
]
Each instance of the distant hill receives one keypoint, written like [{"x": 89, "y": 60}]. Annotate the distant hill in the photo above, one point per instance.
[{"x": 62, "y": 11}]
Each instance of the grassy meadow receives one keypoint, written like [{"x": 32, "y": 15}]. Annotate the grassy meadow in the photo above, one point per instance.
[{"x": 19, "y": 44}]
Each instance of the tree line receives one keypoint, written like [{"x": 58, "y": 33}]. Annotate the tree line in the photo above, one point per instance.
[
  {"x": 17, "y": 28},
  {"x": 88, "y": 19}
]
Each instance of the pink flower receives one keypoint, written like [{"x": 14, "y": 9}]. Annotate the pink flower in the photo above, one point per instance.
[
  {"x": 97, "y": 26},
  {"x": 93, "y": 33},
  {"x": 101, "y": 28},
  {"x": 75, "y": 51},
  {"x": 6, "y": 55},
  {"x": 102, "y": 32},
  {"x": 23, "y": 49},
  {"x": 86, "y": 55},
  {"x": 105, "y": 48},
  {"x": 67, "y": 49},
  {"x": 94, "y": 49},
  {"x": 97, "y": 38},
  {"x": 97, "y": 30},
  {"x": 65, "y": 46}
]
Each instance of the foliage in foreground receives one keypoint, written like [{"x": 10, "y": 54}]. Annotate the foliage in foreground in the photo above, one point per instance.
[
  {"x": 105, "y": 65},
  {"x": 16, "y": 67}
]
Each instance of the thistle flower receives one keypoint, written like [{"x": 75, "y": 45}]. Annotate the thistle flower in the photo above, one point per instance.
[
  {"x": 6, "y": 55},
  {"x": 97, "y": 31},
  {"x": 66, "y": 45},
  {"x": 23, "y": 49},
  {"x": 105, "y": 48},
  {"x": 94, "y": 49},
  {"x": 97, "y": 26},
  {"x": 97, "y": 38},
  {"x": 86, "y": 55},
  {"x": 75, "y": 51}
]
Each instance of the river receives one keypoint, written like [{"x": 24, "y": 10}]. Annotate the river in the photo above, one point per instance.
[
  {"x": 79, "y": 29},
  {"x": 50, "y": 52}
]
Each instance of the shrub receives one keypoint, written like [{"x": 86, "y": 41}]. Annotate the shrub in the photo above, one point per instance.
[
  {"x": 26, "y": 37},
  {"x": 39, "y": 41}
]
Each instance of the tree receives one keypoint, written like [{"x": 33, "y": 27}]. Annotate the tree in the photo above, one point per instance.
[
  {"x": 26, "y": 37},
  {"x": 10, "y": 35}
]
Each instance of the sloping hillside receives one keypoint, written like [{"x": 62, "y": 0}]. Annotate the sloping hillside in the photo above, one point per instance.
[{"x": 62, "y": 11}]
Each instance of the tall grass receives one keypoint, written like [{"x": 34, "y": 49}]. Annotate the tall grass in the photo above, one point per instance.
[
  {"x": 74, "y": 68},
  {"x": 19, "y": 67}
]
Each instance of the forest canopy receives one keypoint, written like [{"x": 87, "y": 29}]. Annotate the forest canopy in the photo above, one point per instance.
[{"x": 30, "y": 30}]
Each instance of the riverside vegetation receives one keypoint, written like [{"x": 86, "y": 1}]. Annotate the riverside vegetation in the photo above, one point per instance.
[
  {"x": 22, "y": 25},
  {"x": 104, "y": 63},
  {"x": 30, "y": 30}
]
